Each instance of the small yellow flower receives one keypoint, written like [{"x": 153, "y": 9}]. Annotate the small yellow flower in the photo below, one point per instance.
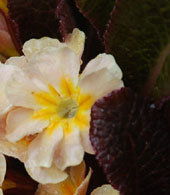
[{"x": 47, "y": 110}]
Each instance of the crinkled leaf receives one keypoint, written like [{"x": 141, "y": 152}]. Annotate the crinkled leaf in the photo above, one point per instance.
[
  {"x": 53, "y": 18},
  {"x": 138, "y": 37},
  {"x": 131, "y": 137},
  {"x": 97, "y": 11},
  {"x": 35, "y": 19},
  {"x": 69, "y": 17},
  {"x": 66, "y": 17}
]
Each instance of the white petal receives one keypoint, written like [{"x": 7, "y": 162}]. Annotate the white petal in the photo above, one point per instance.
[
  {"x": 75, "y": 41},
  {"x": 16, "y": 150},
  {"x": 105, "y": 190},
  {"x": 20, "y": 123},
  {"x": 36, "y": 45},
  {"x": 2, "y": 168},
  {"x": 69, "y": 185},
  {"x": 53, "y": 64},
  {"x": 85, "y": 138},
  {"x": 5, "y": 73},
  {"x": 19, "y": 90},
  {"x": 48, "y": 189},
  {"x": 70, "y": 152},
  {"x": 1, "y": 192},
  {"x": 17, "y": 61},
  {"x": 46, "y": 175},
  {"x": 42, "y": 148},
  {"x": 101, "y": 76}
]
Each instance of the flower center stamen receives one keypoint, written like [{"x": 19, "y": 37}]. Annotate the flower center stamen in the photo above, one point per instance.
[{"x": 67, "y": 108}]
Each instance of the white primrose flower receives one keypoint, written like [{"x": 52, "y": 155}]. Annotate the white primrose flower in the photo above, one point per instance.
[{"x": 45, "y": 104}]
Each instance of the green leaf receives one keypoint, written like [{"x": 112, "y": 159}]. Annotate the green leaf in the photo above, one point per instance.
[
  {"x": 97, "y": 11},
  {"x": 138, "y": 37}
]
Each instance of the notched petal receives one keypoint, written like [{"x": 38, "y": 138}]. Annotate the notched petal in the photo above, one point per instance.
[
  {"x": 101, "y": 76},
  {"x": 46, "y": 175}
]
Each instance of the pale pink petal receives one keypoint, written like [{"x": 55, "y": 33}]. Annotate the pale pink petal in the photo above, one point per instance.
[
  {"x": 53, "y": 189},
  {"x": 53, "y": 64},
  {"x": 2, "y": 168},
  {"x": 70, "y": 152},
  {"x": 20, "y": 90},
  {"x": 85, "y": 139},
  {"x": 63, "y": 188},
  {"x": 101, "y": 76},
  {"x": 46, "y": 175},
  {"x": 105, "y": 190},
  {"x": 20, "y": 123},
  {"x": 5, "y": 73},
  {"x": 82, "y": 189},
  {"x": 16, "y": 150},
  {"x": 84, "y": 134},
  {"x": 17, "y": 61},
  {"x": 75, "y": 41},
  {"x": 67, "y": 186},
  {"x": 42, "y": 148},
  {"x": 36, "y": 45},
  {"x": 48, "y": 189}
]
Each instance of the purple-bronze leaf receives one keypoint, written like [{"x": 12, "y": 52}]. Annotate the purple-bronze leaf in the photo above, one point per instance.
[
  {"x": 131, "y": 138},
  {"x": 66, "y": 18},
  {"x": 97, "y": 12},
  {"x": 35, "y": 19},
  {"x": 69, "y": 17},
  {"x": 54, "y": 18}
]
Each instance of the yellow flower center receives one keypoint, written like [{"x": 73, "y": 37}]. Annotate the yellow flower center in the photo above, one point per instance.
[{"x": 66, "y": 108}]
